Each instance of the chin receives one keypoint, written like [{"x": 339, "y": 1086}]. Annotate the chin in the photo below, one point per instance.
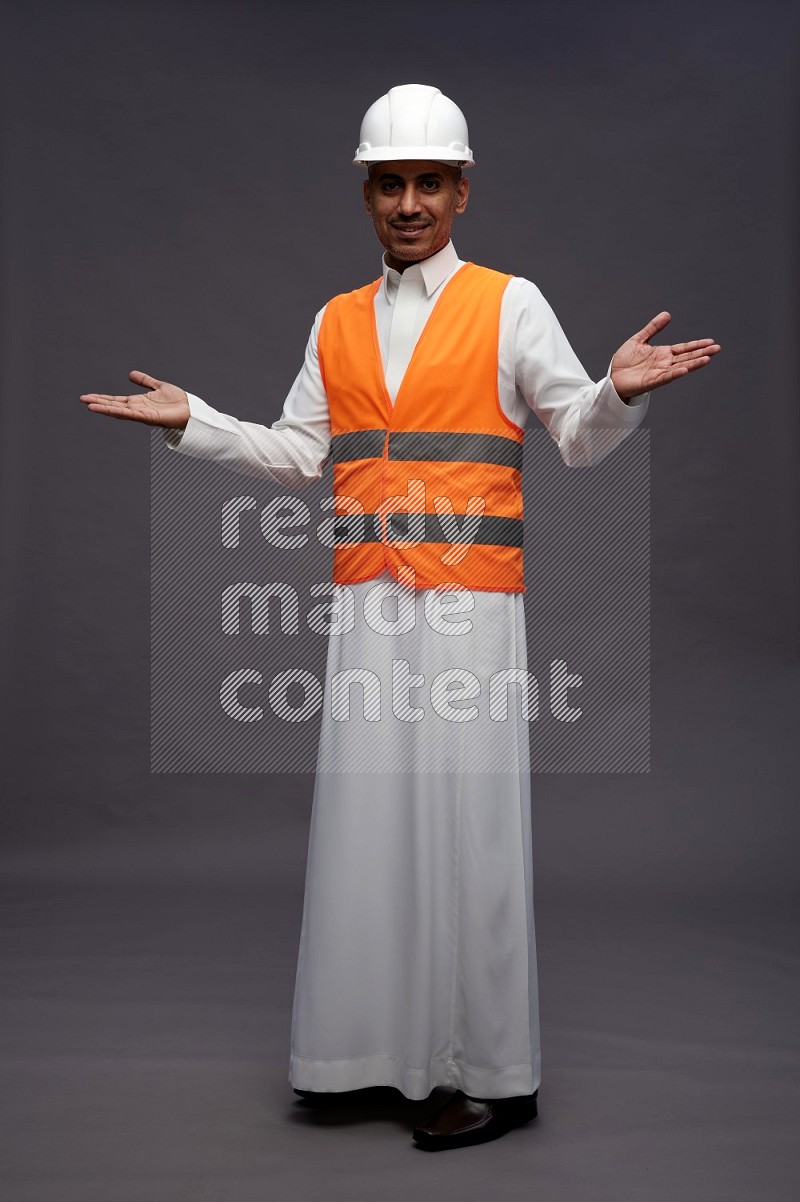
[
  {"x": 409, "y": 254},
  {"x": 412, "y": 254}
]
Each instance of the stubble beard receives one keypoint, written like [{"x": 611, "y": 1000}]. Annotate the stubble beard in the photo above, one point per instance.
[{"x": 408, "y": 255}]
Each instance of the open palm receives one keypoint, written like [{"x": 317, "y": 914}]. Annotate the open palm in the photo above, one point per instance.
[
  {"x": 164, "y": 405},
  {"x": 638, "y": 367}
]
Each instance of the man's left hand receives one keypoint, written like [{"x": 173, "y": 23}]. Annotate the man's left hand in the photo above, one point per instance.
[{"x": 638, "y": 367}]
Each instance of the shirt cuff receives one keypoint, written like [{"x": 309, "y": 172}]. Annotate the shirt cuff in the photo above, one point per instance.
[{"x": 194, "y": 436}]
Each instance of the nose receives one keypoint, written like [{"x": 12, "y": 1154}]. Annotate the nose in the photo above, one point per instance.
[{"x": 409, "y": 201}]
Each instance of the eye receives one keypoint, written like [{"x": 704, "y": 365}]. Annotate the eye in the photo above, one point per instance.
[{"x": 430, "y": 185}]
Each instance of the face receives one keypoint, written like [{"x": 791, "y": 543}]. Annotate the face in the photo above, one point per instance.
[{"x": 413, "y": 205}]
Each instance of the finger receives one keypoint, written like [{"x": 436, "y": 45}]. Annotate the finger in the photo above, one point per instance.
[
  {"x": 120, "y": 411},
  {"x": 682, "y": 369},
  {"x": 706, "y": 352},
  {"x": 143, "y": 380},
  {"x": 109, "y": 407},
  {"x": 699, "y": 344},
  {"x": 102, "y": 398},
  {"x": 692, "y": 364},
  {"x": 653, "y": 326}
]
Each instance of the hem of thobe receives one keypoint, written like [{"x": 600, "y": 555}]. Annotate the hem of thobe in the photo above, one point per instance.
[{"x": 364, "y": 1072}]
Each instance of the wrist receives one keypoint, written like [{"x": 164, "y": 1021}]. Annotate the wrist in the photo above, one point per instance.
[{"x": 621, "y": 392}]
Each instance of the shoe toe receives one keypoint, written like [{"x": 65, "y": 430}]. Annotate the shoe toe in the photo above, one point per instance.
[{"x": 463, "y": 1120}]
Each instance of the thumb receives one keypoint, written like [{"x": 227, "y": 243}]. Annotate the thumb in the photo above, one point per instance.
[
  {"x": 143, "y": 380},
  {"x": 654, "y": 326}
]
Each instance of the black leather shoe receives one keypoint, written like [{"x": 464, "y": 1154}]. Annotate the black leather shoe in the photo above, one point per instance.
[{"x": 463, "y": 1121}]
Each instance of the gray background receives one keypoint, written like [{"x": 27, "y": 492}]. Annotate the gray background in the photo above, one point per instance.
[{"x": 178, "y": 198}]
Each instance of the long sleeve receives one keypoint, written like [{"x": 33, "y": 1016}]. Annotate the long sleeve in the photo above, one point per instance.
[
  {"x": 292, "y": 451},
  {"x": 587, "y": 420}
]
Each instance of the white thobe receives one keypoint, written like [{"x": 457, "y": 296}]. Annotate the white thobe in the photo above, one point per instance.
[{"x": 417, "y": 959}]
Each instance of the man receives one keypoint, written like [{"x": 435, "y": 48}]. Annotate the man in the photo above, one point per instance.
[{"x": 417, "y": 960}]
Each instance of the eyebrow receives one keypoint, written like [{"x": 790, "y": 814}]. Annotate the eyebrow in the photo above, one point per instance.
[{"x": 390, "y": 175}]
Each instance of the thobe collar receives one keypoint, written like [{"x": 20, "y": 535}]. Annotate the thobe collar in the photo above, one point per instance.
[{"x": 432, "y": 272}]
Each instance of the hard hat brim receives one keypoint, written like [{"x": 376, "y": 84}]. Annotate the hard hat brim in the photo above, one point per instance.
[{"x": 434, "y": 154}]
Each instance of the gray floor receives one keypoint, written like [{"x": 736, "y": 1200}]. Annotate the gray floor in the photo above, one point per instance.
[{"x": 146, "y": 1021}]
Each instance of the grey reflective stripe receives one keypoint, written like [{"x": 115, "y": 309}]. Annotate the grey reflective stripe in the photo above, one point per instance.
[
  {"x": 455, "y": 448},
  {"x": 358, "y": 444},
  {"x": 428, "y": 446},
  {"x": 494, "y": 531}
]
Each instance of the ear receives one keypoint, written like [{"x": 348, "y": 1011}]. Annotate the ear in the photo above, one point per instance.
[
  {"x": 462, "y": 194},
  {"x": 367, "y": 204}
]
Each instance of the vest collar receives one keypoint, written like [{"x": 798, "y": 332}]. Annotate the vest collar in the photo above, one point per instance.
[{"x": 433, "y": 272}]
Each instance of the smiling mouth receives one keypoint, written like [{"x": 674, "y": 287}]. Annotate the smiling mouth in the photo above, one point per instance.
[{"x": 409, "y": 231}]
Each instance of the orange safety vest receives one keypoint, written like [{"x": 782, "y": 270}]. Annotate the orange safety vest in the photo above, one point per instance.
[{"x": 433, "y": 482}]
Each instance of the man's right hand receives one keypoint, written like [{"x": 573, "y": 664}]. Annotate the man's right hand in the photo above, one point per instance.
[{"x": 164, "y": 405}]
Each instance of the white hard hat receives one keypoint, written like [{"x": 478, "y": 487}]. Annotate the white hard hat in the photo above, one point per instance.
[{"x": 414, "y": 121}]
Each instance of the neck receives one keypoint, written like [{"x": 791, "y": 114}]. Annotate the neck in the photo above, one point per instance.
[{"x": 401, "y": 264}]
